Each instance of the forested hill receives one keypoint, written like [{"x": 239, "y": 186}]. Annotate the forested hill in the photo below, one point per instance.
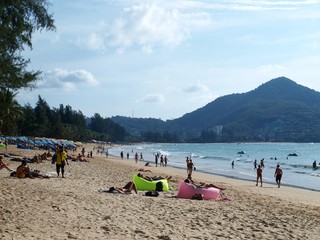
[{"x": 278, "y": 110}]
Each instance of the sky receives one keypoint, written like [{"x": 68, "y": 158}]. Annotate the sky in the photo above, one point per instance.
[{"x": 165, "y": 58}]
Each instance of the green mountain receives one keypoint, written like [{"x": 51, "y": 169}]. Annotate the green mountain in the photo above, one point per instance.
[{"x": 279, "y": 110}]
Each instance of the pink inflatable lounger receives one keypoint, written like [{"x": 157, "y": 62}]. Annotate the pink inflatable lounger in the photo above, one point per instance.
[{"x": 187, "y": 190}]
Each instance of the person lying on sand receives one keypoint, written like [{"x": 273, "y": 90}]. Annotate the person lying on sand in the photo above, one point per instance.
[
  {"x": 144, "y": 170},
  {"x": 153, "y": 178},
  {"x": 79, "y": 158},
  {"x": 203, "y": 184},
  {"x": 126, "y": 189},
  {"x": 3, "y": 165}
]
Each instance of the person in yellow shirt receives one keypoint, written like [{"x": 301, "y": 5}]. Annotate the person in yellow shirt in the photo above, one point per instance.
[{"x": 61, "y": 160}]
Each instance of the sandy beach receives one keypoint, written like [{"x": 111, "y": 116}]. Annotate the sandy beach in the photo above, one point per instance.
[{"x": 73, "y": 208}]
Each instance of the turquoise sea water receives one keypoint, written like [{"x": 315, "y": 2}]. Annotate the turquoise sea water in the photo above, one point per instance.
[{"x": 216, "y": 159}]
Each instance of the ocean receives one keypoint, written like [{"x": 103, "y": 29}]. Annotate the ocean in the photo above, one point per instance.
[{"x": 216, "y": 158}]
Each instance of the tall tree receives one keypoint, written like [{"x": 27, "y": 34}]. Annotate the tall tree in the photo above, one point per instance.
[
  {"x": 19, "y": 19},
  {"x": 42, "y": 113},
  {"x": 10, "y": 111}
]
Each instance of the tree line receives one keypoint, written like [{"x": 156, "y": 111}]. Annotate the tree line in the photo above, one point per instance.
[{"x": 61, "y": 123}]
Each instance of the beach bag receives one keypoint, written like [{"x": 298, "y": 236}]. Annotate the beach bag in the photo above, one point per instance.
[
  {"x": 159, "y": 186},
  {"x": 152, "y": 194},
  {"x": 54, "y": 159},
  {"x": 197, "y": 196}
]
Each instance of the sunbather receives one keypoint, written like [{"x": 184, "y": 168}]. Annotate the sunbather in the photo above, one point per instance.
[
  {"x": 203, "y": 184},
  {"x": 23, "y": 171},
  {"x": 3, "y": 165},
  {"x": 153, "y": 178},
  {"x": 126, "y": 189}
]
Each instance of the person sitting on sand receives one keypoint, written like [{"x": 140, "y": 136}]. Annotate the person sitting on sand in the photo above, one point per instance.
[
  {"x": 49, "y": 155},
  {"x": 36, "y": 159},
  {"x": 126, "y": 189},
  {"x": 23, "y": 171},
  {"x": 44, "y": 156},
  {"x": 34, "y": 173},
  {"x": 3, "y": 165}
]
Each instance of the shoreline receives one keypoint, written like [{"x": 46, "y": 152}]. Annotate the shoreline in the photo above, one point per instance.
[
  {"x": 272, "y": 189},
  {"x": 73, "y": 208},
  {"x": 230, "y": 177},
  {"x": 218, "y": 161}
]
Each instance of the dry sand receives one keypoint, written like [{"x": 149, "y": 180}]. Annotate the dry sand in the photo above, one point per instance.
[{"x": 72, "y": 208}]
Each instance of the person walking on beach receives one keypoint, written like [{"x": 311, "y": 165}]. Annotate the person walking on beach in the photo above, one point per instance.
[
  {"x": 61, "y": 160},
  {"x": 136, "y": 157},
  {"x": 165, "y": 161},
  {"x": 255, "y": 164},
  {"x": 259, "y": 175},
  {"x": 278, "y": 175}
]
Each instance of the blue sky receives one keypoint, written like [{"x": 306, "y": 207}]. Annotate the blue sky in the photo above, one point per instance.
[{"x": 165, "y": 58}]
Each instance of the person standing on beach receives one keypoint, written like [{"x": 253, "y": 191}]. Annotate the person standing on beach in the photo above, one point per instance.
[
  {"x": 314, "y": 165},
  {"x": 278, "y": 175},
  {"x": 190, "y": 167},
  {"x": 232, "y": 164},
  {"x": 259, "y": 175},
  {"x": 156, "y": 159},
  {"x": 61, "y": 160}
]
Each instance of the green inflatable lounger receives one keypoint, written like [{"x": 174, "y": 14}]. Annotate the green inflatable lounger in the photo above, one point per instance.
[{"x": 143, "y": 184}]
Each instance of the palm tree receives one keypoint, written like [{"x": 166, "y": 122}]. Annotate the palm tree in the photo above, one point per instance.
[{"x": 10, "y": 111}]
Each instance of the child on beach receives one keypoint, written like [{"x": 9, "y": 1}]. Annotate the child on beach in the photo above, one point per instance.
[{"x": 259, "y": 175}]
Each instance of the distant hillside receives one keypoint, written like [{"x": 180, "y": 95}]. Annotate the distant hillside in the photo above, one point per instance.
[{"x": 279, "y": 110}]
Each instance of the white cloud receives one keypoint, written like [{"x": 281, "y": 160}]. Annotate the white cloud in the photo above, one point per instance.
[
  {"x": 196, "y": 88},
  {"x": 154, "y": 24},
  {"x": 92, "y": 42},
  {"x": 152, "y": 98},
  {"x": 67, "y": 79}
]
